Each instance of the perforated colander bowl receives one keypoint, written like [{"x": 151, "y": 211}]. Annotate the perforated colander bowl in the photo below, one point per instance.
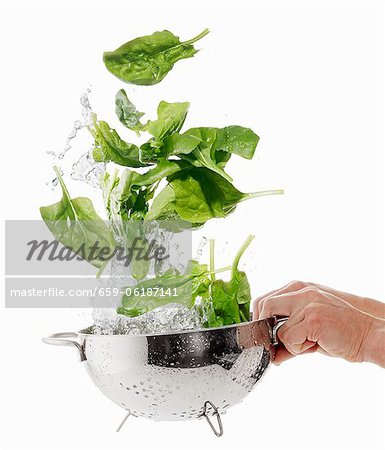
[{"x": 180, "y": 376}]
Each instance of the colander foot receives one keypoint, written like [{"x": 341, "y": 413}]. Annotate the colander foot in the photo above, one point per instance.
[
  {"x": 123, "y": 421},
  {"x": 218, "y": 432}
]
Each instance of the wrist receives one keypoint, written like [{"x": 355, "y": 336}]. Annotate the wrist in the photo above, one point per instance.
[{"x": 373, "y": 348}]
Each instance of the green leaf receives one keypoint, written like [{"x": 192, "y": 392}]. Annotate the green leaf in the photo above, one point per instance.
[
  {"x": 127, "y": 113},
  {"x": 201, "y": 194},
  {"x": 238, "y": 140},
  {"x": 110, "y": 147},
  {"x": 163, "y": 206},
  {"x": 163, "y": 169},
  {"x": 148, "y": 59},
  {"x": 171, "y": 117},
  {"x": 179, "y": 144},
  {"x": 186, "y": 287},
  {"x": 229, "y": 301},
  {"x": 76, "y": 224}
]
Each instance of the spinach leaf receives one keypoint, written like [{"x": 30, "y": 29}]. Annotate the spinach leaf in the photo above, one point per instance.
[
  {"x": 171, "y": 117},
  {"x": 110, "y": 147},
  {"x": 76, "y": 224},
  {"x": 179, "y": 144},
  {"x": 127, "y": 207},
  {"x": 201, "y": 194},
  {"x": 127, "y": 113},
  {"x": 163, "y": 206},
  {"x": 219, "y": 302},
  {"x": 163, "y": 169},
  {"x": 148, "y": 59},
  {"x": 238, "y": 140},
  {"x": 229, "y": 301},
  {"x": 183, "y": 288}
]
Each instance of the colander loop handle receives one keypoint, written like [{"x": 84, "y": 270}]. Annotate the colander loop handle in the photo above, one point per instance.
[
  {"x": 65, "y": 339},
  {"x": 278, "y": 322},
  {"x": 218, "y": 432}
]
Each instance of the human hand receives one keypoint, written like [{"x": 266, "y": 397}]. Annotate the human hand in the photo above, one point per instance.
[{"x": 323, "y": 319}]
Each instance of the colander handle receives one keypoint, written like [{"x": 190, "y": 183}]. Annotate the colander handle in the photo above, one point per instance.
[
  {"x": 62, "y": 339},
  {"x": 278, "y": 322}
]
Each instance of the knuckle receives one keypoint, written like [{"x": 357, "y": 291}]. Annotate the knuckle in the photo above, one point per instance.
[
  {"x": 297, "y": 284},
  {"x": 313, "y": 314}
]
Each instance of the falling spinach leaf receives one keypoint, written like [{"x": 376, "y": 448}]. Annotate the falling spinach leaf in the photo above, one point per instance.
[
  {"x": 148, "y": 59},
  {"x": 163, "y": 169},
  {"x": 201, "y": 195},
  {"x": 76, "y": 224},
  {"x": 179, "y": 144},
  {"x": 110, "y": 147},
  {"x": 238, "y": 140},
  {"x": 127, "y": 113},
  {"x": 127, "y": 207},
  {"x": 171, "y": 117}
]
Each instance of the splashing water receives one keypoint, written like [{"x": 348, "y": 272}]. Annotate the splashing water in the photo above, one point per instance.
[
  {"x": 201, "y": 246},
  {"x": 169, "y": 318},
  {"x": 86, "y": 168}
]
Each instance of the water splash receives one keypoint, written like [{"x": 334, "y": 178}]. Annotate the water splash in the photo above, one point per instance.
[
  {"x": 169, "y": 318},
  {"x": 94, "y": 169},
  {"x": 201, "y": 246},
  {"x": 88, "y": 170}
]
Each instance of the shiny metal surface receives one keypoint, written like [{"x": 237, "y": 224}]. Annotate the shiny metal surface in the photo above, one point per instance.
[{"x": 177, "y": 376}]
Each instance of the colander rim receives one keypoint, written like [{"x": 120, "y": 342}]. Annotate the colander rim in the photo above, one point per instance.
[{"x": 85, "y": 331}]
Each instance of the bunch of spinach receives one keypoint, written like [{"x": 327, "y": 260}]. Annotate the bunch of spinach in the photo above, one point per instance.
[
  {"x": 218, "y": 302},
  {"x": 192, "y": 163},
  {"x": 180, "y": 178}
]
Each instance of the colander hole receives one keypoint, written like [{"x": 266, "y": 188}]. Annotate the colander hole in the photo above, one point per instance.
[
  {"x": 137, "y": 393},
  {"x": 141, "y": 383},
  {"x": 134, "y": 386},
  {"x": 146, "y": 396},
  {"x": 128, "y": 389}
]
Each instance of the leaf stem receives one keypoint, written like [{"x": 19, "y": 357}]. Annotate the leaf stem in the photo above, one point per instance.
[
  {"x": 223, "y": 269},
  {"x": 65, "y": 190},
  {"x": 197, "y": 38},
  {"x": 261, "y": 194},
  {"x": 241, "y": 251}
]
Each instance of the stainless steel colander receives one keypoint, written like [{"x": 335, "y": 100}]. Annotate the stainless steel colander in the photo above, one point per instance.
[{"x": 180, "y": 376}]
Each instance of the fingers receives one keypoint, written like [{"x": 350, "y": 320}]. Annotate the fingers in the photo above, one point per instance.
[
  {"x": 288, "y": 303},
  {"x": 299, "y": 333},
  {"x": 290, "y": 287},
  {"x": 282, "y": 354},
  {"x": 295, "y": 286}
]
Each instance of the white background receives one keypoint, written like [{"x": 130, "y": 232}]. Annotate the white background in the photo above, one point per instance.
[{"x": 308, "y": 77}]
